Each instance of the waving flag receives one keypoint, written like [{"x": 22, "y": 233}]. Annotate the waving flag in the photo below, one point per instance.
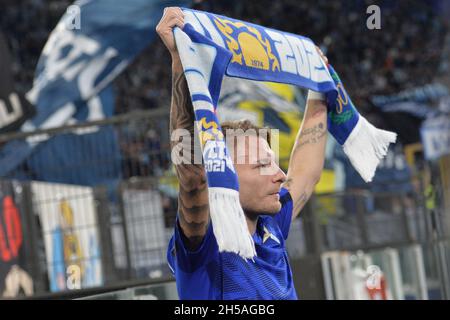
[{"x": 92, "y": 43}]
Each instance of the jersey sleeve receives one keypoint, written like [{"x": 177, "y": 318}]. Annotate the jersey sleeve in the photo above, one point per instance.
[
  {"x": 179, "y": 256},
  {"x": 284, "y": 217}
]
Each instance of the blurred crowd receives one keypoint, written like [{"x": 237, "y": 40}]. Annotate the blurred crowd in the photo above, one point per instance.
[
  {"x": 406, "y": 52},
  {"x": 26, "y": 25}
]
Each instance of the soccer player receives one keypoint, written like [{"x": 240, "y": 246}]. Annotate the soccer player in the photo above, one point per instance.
[{"x": 270, "y": 199}]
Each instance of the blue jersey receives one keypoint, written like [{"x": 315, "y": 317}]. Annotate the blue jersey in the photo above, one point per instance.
[{"x": 209, "y": 274}]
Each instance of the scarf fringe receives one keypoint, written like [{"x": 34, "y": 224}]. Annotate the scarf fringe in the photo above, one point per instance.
[
  {"x": 366, "y": 146},
  {"x": 229, "y": 223}
]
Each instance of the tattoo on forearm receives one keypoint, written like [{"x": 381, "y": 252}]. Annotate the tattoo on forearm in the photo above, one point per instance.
[
  {"x": 196, "y": 231},
  {"x": 193, "y": 194},
  {"x": 194, "y": 210},
  {"x": 193, "y": 202},
  {"x": 192, "y": 172},
  {"x": 181, "y": 112},
  {"x": 311, "y": 135}
]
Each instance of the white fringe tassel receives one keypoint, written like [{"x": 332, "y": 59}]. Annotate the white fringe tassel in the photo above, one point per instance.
[
  {"x": 229, "y": 223},
  {"x": 366, "y": 146}
]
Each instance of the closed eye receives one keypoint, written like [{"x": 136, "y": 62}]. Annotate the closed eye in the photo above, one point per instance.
[{"x": 262, "y": 165}]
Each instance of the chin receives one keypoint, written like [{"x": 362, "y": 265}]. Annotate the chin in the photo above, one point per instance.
[
  {"x": 272, "y": 208},
  {"x": 263, "y": 207}
]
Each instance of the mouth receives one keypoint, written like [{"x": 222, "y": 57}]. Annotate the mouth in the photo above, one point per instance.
[
  {"x": 277, "y": 191},
  {"x": 275, "y": 194}
]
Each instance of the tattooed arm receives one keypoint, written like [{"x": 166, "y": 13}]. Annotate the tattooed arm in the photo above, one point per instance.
[
  {"x": 308, "y": 155},
  {"x": 193, "y": 207}
]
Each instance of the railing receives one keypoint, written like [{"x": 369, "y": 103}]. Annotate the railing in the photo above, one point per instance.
[
  {"x": 95, "y": 204},
  {"x": 93, "y": 208}
]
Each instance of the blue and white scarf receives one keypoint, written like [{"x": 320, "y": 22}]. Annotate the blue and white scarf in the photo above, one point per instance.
[{"x": 211, "y": 46}]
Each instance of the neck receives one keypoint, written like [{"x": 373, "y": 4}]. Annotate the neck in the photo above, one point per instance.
[{"x": 252, "y": 221}]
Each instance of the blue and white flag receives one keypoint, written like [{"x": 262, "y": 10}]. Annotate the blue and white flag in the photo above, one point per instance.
[
  {"x": 425, "y": 94},
  {"x": 92, "y": 43},
  {"x": 86, "y": 156},
  {"x": 418, "y": 110}
]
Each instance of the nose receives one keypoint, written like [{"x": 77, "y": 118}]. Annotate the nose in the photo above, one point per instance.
[{"x": 279, "y": 176}]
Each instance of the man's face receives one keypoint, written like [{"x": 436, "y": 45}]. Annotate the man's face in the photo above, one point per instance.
[{"x": 260, "y": 178}]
